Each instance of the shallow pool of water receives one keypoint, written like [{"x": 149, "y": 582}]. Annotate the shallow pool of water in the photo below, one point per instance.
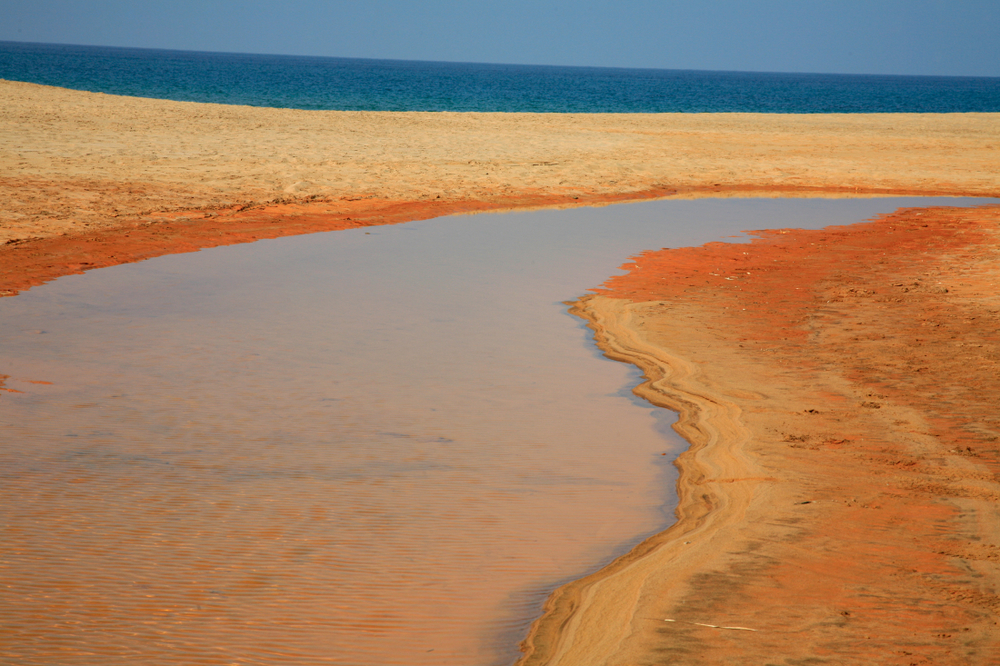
[{"x": 357, "y": 447}]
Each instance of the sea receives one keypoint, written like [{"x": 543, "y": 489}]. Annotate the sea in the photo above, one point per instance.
[{"x": 355, "y": 84}]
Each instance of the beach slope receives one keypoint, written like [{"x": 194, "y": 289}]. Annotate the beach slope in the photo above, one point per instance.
[{"x": 840, "y": 502}]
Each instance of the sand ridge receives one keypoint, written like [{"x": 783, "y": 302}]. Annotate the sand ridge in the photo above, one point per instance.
[{"x": 839, "y": 503}]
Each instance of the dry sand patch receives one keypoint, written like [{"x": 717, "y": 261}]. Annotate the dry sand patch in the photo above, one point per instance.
[{"x": 74, "y": 161}]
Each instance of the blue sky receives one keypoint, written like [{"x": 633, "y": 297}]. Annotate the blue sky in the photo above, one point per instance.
[{"x": 957, "y": 37}]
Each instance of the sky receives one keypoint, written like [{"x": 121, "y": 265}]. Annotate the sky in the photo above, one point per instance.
[{"x": 934, "y": 37}]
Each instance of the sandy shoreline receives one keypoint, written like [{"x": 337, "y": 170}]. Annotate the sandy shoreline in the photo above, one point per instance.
[
  {"x": 840, "y": 494},
  {"x": 840, "y": 499},
  {"x": 184, "y": 175}
]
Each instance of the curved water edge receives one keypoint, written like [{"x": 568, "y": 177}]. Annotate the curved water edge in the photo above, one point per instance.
[
  {"x": 608, "y": 617},
  {"x": 212, "y": 417},
  {"x": 586, "y": 620}
]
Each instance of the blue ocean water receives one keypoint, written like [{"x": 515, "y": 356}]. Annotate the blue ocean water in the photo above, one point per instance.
[{"x": 396, "y": 85}]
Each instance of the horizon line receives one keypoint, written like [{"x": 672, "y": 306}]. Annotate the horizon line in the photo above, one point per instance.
[{"x": 499, "y": 64}]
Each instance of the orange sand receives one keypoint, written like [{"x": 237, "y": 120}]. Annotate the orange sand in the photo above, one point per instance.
[
  {"x": 841, "y": 498},
  {"x": 172, "y": 176}
]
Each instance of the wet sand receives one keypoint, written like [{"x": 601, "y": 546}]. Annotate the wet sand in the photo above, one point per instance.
[{"x": 839, "y": 500}]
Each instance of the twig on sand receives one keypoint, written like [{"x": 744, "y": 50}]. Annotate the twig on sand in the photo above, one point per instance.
[{"x": 712, "y": 626}]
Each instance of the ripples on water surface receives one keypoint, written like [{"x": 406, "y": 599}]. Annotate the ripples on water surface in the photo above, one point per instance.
[{"x": 381, "y": 447}]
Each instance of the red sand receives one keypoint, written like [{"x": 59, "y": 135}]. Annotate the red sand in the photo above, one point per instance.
[
  {"x": 33, "y": 261},
  {"x": 864, "y": 363}
]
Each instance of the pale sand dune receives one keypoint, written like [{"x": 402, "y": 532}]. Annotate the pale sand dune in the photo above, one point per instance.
[{"x": 71, "y": 160}]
